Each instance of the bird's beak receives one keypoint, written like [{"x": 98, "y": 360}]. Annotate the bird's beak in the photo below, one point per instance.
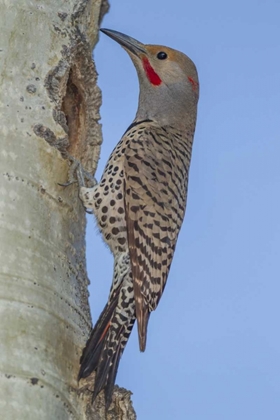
[{"x": 131, "y": 44}]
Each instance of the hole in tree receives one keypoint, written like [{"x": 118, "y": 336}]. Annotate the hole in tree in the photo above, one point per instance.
[{"x": 73, "y": 106}]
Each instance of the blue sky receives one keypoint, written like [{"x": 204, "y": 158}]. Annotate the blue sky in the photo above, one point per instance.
[{"x": 213, "y": 350}]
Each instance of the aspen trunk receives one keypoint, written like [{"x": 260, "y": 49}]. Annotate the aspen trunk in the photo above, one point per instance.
[{"x": 49, "y": 104}]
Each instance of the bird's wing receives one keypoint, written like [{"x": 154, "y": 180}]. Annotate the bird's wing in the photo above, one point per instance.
[{"x": 154, "y": 205}]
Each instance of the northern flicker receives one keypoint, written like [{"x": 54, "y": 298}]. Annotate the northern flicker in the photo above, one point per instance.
[{"x": 140, "y": 201}]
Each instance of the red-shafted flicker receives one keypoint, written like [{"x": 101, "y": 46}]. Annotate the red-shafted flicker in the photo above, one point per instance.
[{"x": 140, "y": 201}]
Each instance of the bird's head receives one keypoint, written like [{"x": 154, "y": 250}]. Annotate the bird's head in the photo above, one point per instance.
[{"x": 168, "y": 79}]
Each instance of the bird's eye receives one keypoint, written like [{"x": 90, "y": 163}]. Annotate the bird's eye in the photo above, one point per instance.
[{"x": 162, "y": 55}]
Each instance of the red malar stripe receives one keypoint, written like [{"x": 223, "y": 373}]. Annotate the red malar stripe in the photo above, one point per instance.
[
  {"x": 151, "y": 74},
  {"x": 193, "y": 83}
]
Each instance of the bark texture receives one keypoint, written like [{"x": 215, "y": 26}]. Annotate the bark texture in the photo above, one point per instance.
[{"x": 49, "y": 105}]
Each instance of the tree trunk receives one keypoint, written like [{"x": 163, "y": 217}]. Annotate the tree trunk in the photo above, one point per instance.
[{"x": 49, "y": 104}]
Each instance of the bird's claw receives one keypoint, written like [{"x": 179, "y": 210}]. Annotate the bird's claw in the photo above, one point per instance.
[
  {"x": 77, "y": 174},
  {"x": 66, "y": 184}
]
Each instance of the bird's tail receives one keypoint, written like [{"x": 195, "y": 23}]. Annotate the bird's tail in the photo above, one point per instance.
[{"x": 106, "y": 344}]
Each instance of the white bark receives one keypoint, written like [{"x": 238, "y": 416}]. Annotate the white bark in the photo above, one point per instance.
[{"x": 49, "y": 102}]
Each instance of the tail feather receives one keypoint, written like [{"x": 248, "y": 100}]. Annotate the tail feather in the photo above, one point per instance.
[
  {"x": 92, "y": 351},
  {"x": 105, "y": 347},
  {"x": 106, "y": 374},
  {"x": 101, "y": 376},
  {"x": 112, "y": 376}
]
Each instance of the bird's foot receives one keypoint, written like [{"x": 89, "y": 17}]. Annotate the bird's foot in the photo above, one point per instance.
[{"x": 78, "y": 174}]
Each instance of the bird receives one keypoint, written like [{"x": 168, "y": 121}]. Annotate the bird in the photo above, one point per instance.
[{"x": 140, "y": 202}]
